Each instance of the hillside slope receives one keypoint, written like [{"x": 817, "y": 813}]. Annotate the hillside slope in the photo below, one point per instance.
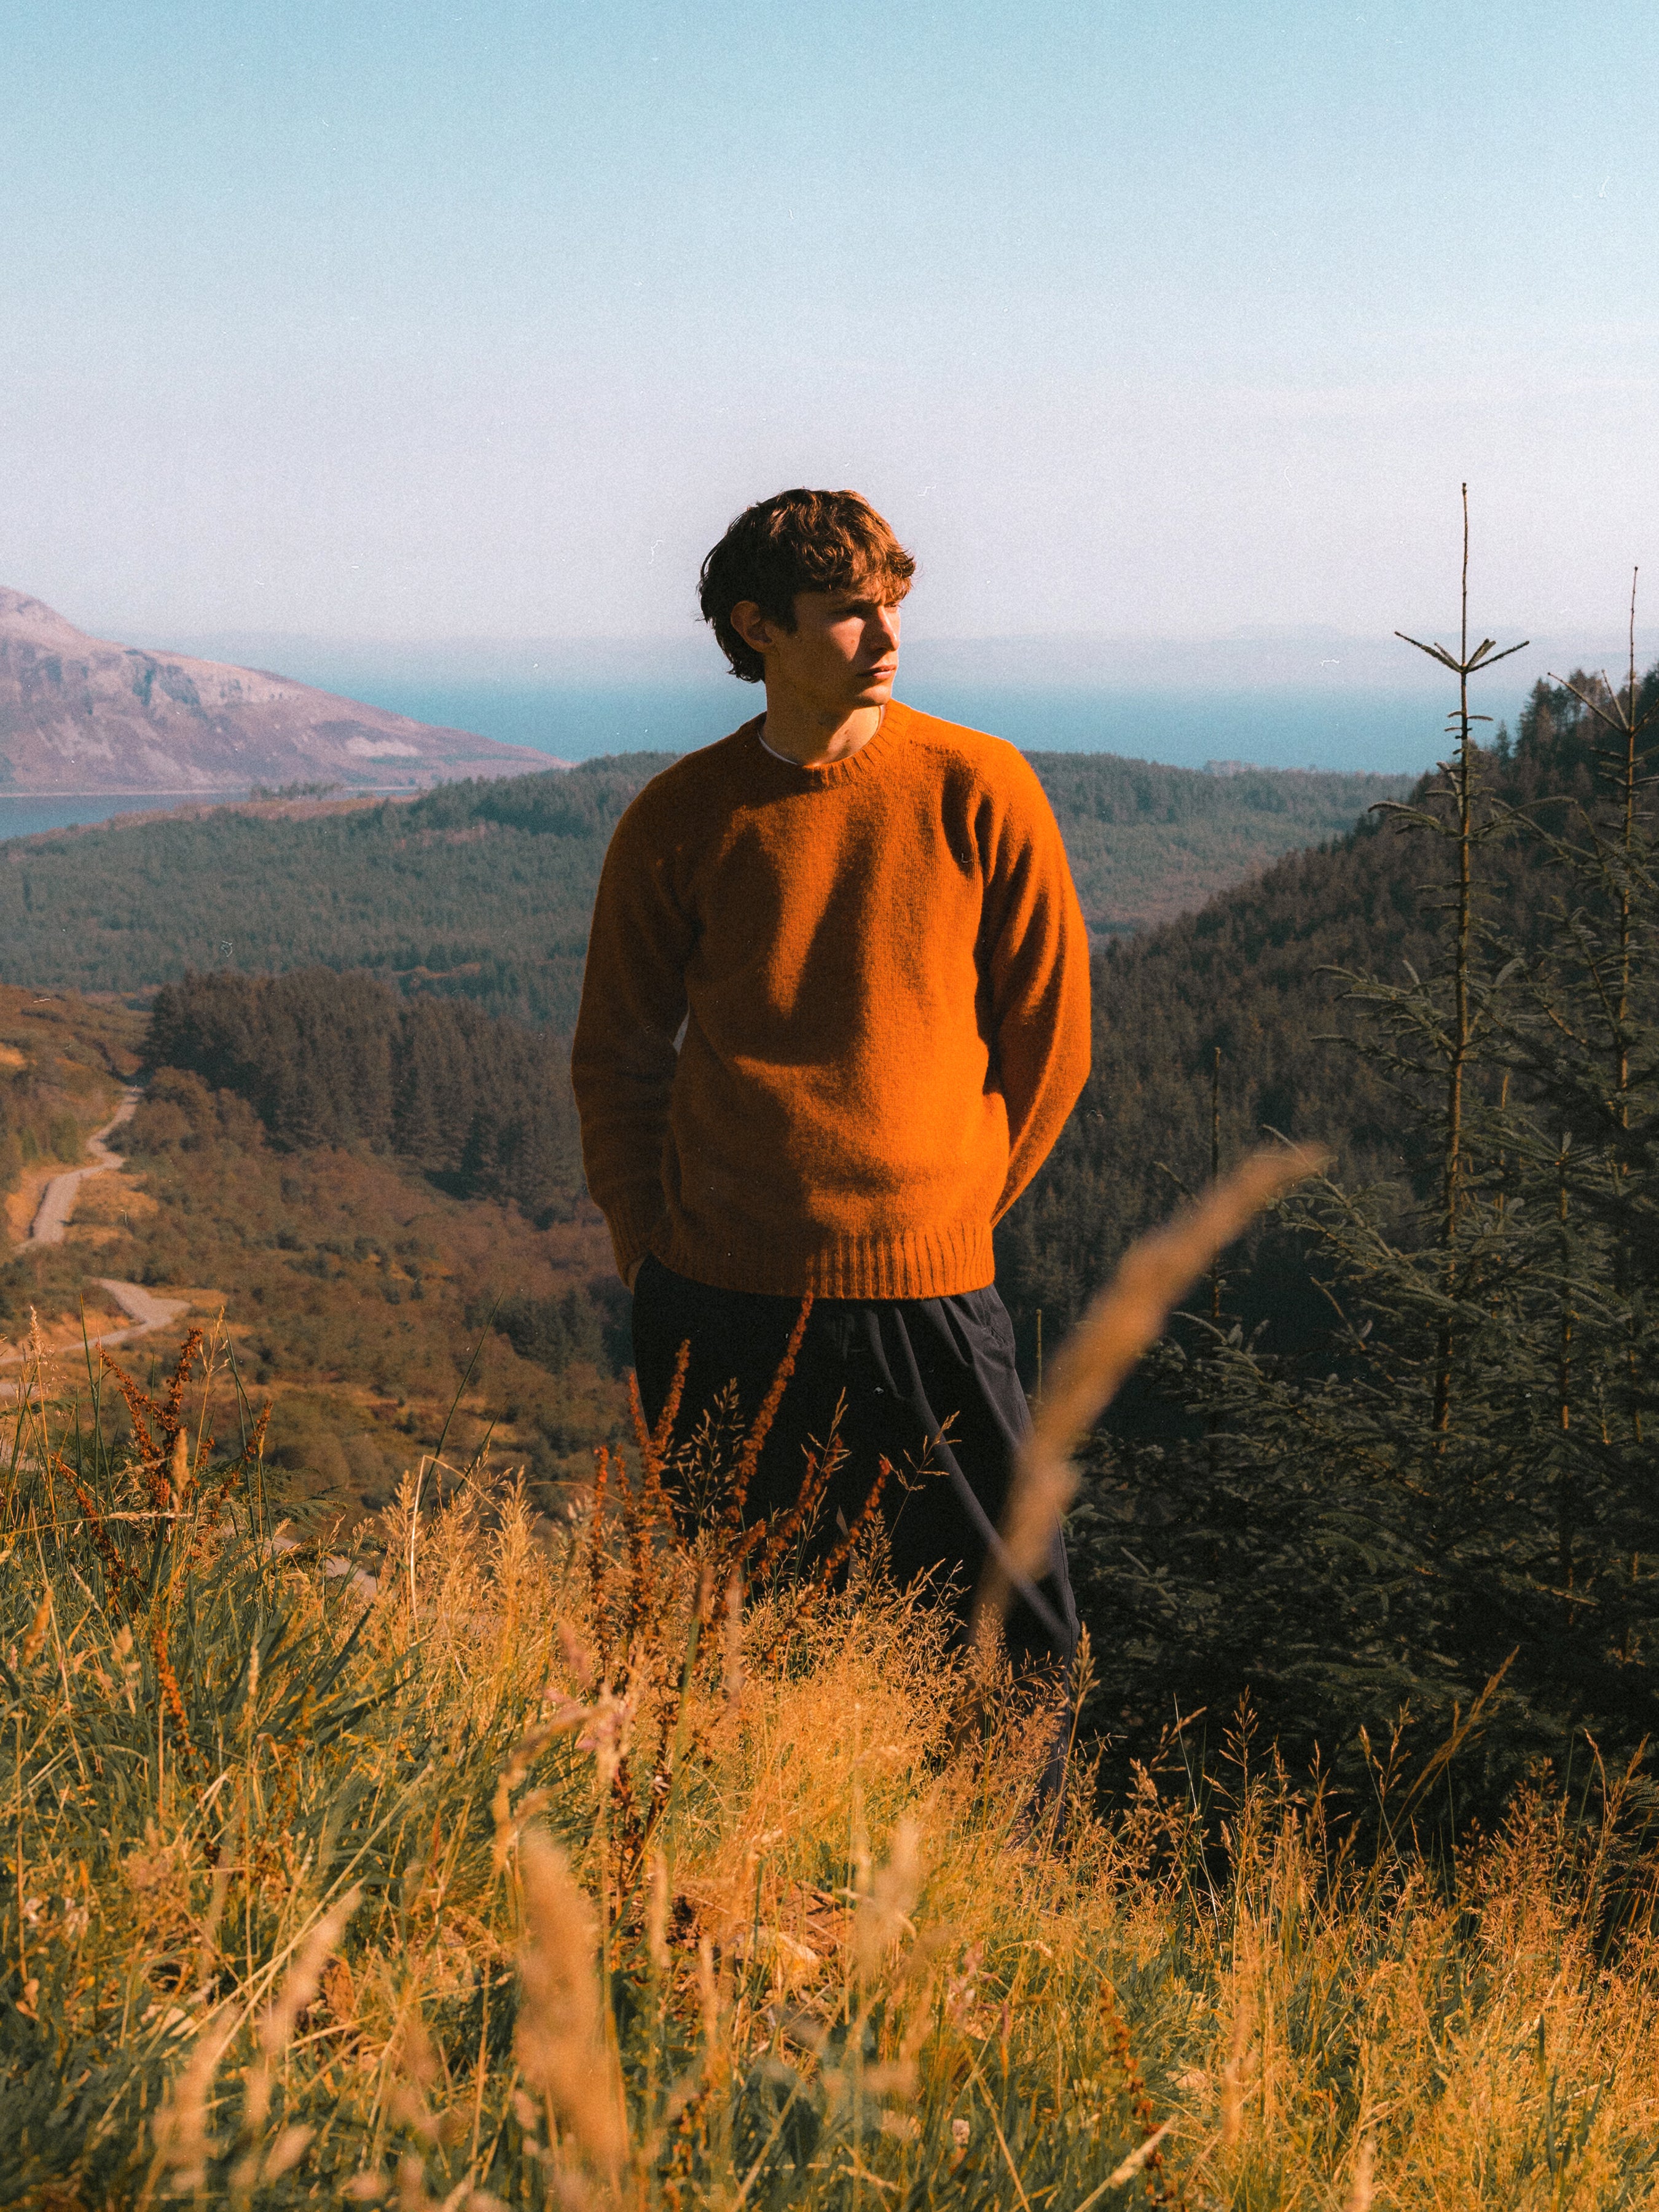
[
  {"x": 484, "y": 889},
  {"x": 1148, "y": 843},
  {"x": 357, "y": 1284},
  {"x": 78, "y": 714},
  {"x": 1254, "y": 976},
  {"x": 62, "y": 1063}
]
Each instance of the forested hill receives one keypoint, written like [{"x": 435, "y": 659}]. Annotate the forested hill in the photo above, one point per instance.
[
  {"x": 1251, "y": 976},
  {"x": 483, "y": 890},
  {"x": 1400, "y": 1457},
  {"x": 479, "y": 889},
  {"x": 482, "y": 1107}
]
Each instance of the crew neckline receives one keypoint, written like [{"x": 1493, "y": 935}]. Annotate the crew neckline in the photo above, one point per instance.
[{"x": 835, "y": 771}]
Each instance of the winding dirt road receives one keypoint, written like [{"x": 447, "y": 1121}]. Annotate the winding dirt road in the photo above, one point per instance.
[
  {"x": 143, "y": 1309},
  {"x": 58, "y": 1199},
  {"x": 146, "y": 1310}
]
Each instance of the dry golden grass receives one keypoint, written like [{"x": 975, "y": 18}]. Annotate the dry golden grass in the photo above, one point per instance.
[{"x": 553, "y": 1873}]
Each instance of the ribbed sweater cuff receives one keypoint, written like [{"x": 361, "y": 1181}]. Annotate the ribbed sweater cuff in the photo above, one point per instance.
[{"x": 631, "y": 1224}]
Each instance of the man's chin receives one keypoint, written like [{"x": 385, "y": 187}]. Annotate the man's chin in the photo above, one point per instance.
[{"x": 856, "y": 699}]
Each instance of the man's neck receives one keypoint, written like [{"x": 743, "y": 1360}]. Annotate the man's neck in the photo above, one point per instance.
[{"x": 814, "y": 738}]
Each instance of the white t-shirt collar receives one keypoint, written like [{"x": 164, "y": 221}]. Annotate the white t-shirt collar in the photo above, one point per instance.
[{"x": 761, "y": 735}]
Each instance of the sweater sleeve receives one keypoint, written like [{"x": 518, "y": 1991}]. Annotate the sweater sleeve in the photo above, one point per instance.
[
  {"x": 623, "y": 1057},
  {"x": 1034, "y": 976}
]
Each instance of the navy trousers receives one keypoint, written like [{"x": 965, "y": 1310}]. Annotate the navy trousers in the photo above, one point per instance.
[{"x": 928, "y": 1382}]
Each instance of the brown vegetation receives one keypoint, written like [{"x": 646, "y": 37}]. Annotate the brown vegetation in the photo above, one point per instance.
[
  {"x": 354, "y": 1292},
  {"x": 63, "y": 1061}
]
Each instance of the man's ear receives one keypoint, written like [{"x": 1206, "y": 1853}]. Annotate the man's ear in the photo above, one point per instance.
[{"x": 751, "y": 625}]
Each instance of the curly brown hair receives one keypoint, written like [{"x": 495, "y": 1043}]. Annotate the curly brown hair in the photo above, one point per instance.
[{"x": 797, "y": 541}]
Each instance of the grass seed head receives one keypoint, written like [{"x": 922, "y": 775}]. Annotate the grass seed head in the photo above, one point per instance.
[
  {"x": 289, "y": 2148},
  {"x": 304, "y": 1977},
  {"x": 1232, "y": 2073},
  {"x": 1359, "y": 2192},
  {"x": 299, "y": 1990},
  {"x": 560, "y": 2046},
  {"x": 183, "y": 2139},
  {"x": 180, "y": 1471},
  {"x": 1121, "y": 1323},
  {"x": 732, "y": 1641},
  {"x": 656, "y": 1913},
  {"x": 36, "y": 1635},
  {"x": 884, "y": 1915},
  {"x": 709, "y": 1992}
]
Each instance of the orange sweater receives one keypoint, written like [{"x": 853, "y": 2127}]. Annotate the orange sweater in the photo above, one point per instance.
[{"x": 883, "y": 975}]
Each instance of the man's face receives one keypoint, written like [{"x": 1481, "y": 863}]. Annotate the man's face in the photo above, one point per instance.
[{"x": 841, "y": 654}]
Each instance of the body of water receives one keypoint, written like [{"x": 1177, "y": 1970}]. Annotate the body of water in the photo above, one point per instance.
[
  {"x": 1386, "y": 732},
  {"x": 575, "y": 721},
  {"x": 24, "y": 817},
  {"x": 21, "y": 817}
]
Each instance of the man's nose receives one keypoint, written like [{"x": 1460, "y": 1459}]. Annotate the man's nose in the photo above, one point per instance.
[{"x": 884, "y": 622}]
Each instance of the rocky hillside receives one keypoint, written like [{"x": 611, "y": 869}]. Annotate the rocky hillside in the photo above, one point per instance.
[{"x": 80, "y": 715}]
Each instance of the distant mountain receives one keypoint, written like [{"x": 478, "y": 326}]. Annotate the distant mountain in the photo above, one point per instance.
[{"x": 80, "y": 715}]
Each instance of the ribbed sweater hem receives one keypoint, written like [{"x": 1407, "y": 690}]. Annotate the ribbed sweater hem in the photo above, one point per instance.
[{"x": 924, "y": 1263}]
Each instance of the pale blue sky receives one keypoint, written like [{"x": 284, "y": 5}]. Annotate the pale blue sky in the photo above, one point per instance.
[{"x": 414, "y": 322}]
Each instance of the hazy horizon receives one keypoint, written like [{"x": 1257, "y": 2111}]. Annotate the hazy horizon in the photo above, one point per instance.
[
  {"x": 1273, "y": 694},
  {"x": 1277, "y": 696}
]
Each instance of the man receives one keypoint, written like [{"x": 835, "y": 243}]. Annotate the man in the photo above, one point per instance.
[{"x": 836, "y": 1012}]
